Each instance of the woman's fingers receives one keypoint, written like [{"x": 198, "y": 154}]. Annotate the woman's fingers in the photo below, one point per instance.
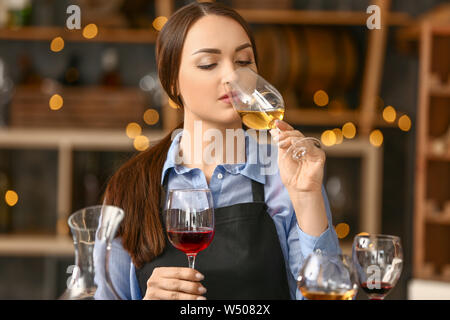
[
  {"x": 179, "y": 273},
  {"x": 182, "y": 286},
  {"x": 170, "y": 283},
  {"x": 176, "y": 295},
  {"x": 283, "y": 125}
]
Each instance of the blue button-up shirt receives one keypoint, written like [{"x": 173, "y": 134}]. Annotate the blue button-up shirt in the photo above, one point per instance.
[{"x": 231, "y": 184}]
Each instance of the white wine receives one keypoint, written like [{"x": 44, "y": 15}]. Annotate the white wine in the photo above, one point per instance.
[
  {"x": 261, "y": 120},
  {"x": 312, "y": 294}
]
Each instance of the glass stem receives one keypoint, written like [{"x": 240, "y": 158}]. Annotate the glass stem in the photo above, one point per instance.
[{"x": 191, "y": 259}]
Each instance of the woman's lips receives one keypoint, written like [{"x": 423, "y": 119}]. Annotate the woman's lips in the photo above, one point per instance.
[{"x": 226, "y": 99}]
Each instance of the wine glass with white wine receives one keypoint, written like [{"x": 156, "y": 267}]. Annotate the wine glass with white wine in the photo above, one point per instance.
[{"x": 259, "y": 104}]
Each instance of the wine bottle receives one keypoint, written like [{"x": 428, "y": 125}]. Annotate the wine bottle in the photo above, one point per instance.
[
  {"x": 5, "y": 184},
  {"x": 71, "y": 76},
  {"x": 19, "y": 13},
  {"x": 3, "y": 14},
  {"x": 110, "y": 74},
  {"x": 91, "y": 181},
  {"x": 28, "y": 74},
  {"x": 6, "y": 89}
]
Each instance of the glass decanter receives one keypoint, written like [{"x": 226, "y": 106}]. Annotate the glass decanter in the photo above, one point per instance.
[{"x": 91, "y": 226}]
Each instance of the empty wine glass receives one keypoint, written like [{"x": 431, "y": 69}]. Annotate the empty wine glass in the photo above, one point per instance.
[
  {"x": 259, "y": 104},
  {"x": 190, "y": 220},
  {"x": 379, "y": 261},
  {"x": 327, "y": 277}
]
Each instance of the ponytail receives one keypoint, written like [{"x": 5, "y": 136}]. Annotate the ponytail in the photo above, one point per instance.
[{"x": 136, "y": 188}]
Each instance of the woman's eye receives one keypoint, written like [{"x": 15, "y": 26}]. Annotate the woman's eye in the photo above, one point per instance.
[
  {"x": 244, "y": 62},
  {"x": 207, "y": 66}
]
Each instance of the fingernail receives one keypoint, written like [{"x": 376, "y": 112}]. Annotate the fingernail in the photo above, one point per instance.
[
  {"x": 201, "y": 290},
  {"x": 201, "y": 298},
  {"x": 199, "y": 276}
]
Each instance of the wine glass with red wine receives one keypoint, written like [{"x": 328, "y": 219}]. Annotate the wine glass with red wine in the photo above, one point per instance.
[
  {"x": 190, "y": 220},
  {"x": 378, "y": 260}
]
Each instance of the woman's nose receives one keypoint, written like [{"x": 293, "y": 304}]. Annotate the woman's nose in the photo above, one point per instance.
[{"x": 229, "y": 74}]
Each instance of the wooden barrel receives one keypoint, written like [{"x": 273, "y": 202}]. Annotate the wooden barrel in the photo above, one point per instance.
[{"x": 298, "y": 61}]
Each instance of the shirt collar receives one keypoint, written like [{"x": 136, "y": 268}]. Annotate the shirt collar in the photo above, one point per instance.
[{"x": 252, "y": 169}]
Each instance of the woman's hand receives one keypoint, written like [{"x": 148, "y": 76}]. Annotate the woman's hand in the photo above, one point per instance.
[
  {"x": 298, "y": 176},
  {"x": 171, "y": 283}
]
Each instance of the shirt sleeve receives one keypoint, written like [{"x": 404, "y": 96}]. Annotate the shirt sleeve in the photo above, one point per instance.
[
  {"x": 121, "y": 270},
  {"x": 296, "y": 244}
]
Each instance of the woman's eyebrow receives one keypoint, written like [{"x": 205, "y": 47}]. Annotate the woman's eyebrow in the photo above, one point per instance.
[{"x": 217, "y": 51}]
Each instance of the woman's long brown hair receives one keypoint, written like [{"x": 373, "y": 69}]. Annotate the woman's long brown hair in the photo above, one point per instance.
[{"x": 136, "y": 186}]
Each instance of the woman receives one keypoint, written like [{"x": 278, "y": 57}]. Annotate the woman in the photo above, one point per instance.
[{"x": 277, "y": 219}]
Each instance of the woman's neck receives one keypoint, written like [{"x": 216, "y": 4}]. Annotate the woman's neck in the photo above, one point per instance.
[{"x": 204, "y": 145}]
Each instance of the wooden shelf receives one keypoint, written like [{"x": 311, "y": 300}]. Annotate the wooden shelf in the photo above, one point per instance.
[
  {"x": 441, "y": 219},
  {"x": 31, "y": 245},
  {"x": 104, "y": 35},
  {"x": 305, "y": 17},
  {"x": 438, "y": 157},
  {"x": 431, "y": 248},
  {"x": 440, "y": 91},
  {"x": 85, "y": 139}
]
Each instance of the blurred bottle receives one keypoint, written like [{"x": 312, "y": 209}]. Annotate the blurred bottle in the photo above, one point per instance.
[
  {"x": 19, "y": 12},
  {"x": 28, "y": 75},
  {"x": 71, "y": 76},
  {"x": 110, "y": 68},
  {"x": 91, "y": 180},
  {"x": 3, "y": 14},
  {"x": 43, "y": 13},
  {"x": 5, "y": 184},
  {"x": 6, "y": 91}
]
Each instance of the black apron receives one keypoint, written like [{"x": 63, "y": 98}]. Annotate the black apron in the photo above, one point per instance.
[{"x": 244, "y": 259}]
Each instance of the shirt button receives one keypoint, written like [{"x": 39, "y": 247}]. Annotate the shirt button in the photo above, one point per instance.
[{"x": 219, "y": 176}]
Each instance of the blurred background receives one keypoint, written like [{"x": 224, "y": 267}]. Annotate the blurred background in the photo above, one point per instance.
[{"x": 76, "y": 104}]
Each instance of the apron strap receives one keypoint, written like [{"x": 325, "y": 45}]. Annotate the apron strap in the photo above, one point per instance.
[{"x": 258, "y": 191}]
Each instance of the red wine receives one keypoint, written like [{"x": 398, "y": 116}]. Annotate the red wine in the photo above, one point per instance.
[
  {"x": 191, "y": 241},
  {"x": 379, "y": 289}
]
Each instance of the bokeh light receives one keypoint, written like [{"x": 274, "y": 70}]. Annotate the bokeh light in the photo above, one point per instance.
[
  {"x": 404, "y": 123},
  {"x": 342, "y": 230},
  {"x": 141, "y": 143},
  {"x": 339, "y": 135},
  {"x": 349, "y": 130},
  {"x": 376, "y": 138},
  {"x": 56, "y": 102},
  {"x": 389, "y": 114},
  {"x": 328, "y": 138},
  {"x": 151, "y": 116},
  {"x": 173, "y": 104},
  {"x": 90, "y": 31},
  {"x": 11, "y": 198},
  {"x": 159, "y": 23},
  {"x": 321, "y": 98},
  {"x": 57, "y": 44},
  {"x": 133, "y": 130}
]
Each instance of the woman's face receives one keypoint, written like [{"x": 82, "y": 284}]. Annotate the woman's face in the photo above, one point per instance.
[{"x": 213, "y": 48}]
